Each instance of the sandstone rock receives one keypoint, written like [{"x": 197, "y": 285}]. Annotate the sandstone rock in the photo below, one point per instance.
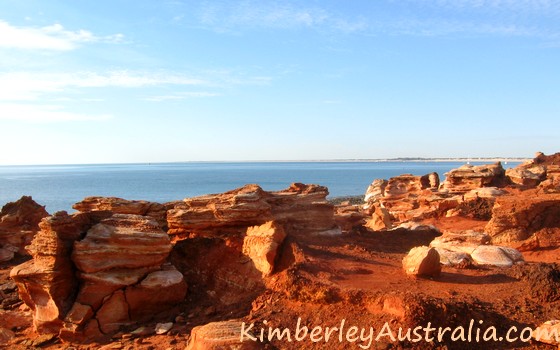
[
  {"x": 484, "y": 192},
  {"x": 245, "y": 206},
  {"x": 47, "y": 282},
  {"x": 463, "y": 241},
  {"x": 548, "y": 333},
  {"x": 261, "y": 244},
  {"x": 348, "y": 216},
  {"x": 114, "y": 313},
  {"x": 520, "y": 217},
  {"x": 402, "y": 198},
  {"x": 19, "y": 222},
  {"x": 462, "y": 248},
  {"x": 375, "y": 191},
  {"x": 159, "y": 291},
  {"x": 380, "y": 219},
  {"x": 116, "y": 205},
  {"x": 117, "y": 278},
  {"x": 527, "y": 177},
  {"x": 95, "y": 287},
  {"x": 469, "y": 177},
  {"x": 220, "y": 336},
  {"x": 300, "y": 209},
  {"x": 422, "y": 261},
  {"x": 496, "y": 256},
  {"x": 454, "y": 258},
  {"x": 415, "y": 226},
  {"x": 122, "y": 241}
]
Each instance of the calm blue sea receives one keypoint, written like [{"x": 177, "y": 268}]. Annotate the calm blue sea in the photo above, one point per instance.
[{"x": 59, "y": 186}]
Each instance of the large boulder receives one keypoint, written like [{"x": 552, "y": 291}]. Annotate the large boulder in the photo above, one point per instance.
[
  {"x": 19, "y": 222},
  {"x": 469, "y": 177},
  {"x": 422, "y": 261},
  {"x": 470, "y": 247},
  {"x": 261, "y": 244}
]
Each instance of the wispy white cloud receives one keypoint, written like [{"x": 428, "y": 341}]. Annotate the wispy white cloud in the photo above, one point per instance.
[
  {"x": 181, "y": 96},
  {"x": 54, "y": 37},
  {"x": 44, "y": 113},
  {"x": 29, "y": 86},
  {"x": 511, "y": 18},
  {"x": 543, "y": 7},
  {"x": 255, "y": 14},
  {"x": 435, "y": 27}
]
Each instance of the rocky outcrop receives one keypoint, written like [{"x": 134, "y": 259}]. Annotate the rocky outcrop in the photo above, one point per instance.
[
  {"x": 261, "y": 244},
  {"x": 542, "y": 171},
  {"x": 530, "y": 215},
  {"x": 466, "y": 248},
  {"x": 222, "y": 335},
  {"x": 116, "y": 205},
  {"x": 47, "y": 283},
  {"x": 19, "y": 222},
  {"x": 300, "y": 209},
  {"x": 120, "y": 264},
  {"x": 348, "y": 216},
  {"x": 94, "y": 272},
  {"x": 422, "y": 261},
  {"x": 400, "y": 199},
  {"x": 527, "y": 176},
  {"x": 469, "y": 177}
]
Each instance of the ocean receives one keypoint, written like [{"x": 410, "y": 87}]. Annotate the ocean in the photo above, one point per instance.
[{"x": 60, "y": 186}]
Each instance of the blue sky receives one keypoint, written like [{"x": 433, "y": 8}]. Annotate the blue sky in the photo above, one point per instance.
[{"x": 159, "y": 81}]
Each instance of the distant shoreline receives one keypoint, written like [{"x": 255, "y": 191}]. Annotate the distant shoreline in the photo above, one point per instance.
[{"x": 374, "y": 160}]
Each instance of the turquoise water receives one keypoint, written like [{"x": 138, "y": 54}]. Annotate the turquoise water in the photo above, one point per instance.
[{"x": 59, "y": 186}]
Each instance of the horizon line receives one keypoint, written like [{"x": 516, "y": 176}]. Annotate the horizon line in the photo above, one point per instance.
[{"x": 336, "y": 160}]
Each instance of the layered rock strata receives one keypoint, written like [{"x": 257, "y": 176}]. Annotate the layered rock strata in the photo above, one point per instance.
[
  {"x": 300, "y": 209},
  {"x": 19, "y": 222},
  {"x": 92, "y": 274}
]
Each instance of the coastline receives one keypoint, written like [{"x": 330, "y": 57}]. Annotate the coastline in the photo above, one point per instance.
[{"x": 344, "y": 160}]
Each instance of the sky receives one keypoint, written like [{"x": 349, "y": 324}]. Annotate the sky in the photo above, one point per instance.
[{"x": 163, "y": 81}]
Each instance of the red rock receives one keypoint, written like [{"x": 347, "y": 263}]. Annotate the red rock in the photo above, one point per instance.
[
  {"x": 220, "y": 336},
  {"x": 348, "y": 216},
  {"x": 47, "y": 282},
  {"x": 422, "y": 261},
  {"x": 261, "y": 244},
  {"x": 402, "y": 198},
  {"x": 496, "y": 256},
  {"x": 114, "y": 313},
  {"x": 157, "y": 292},
  {"x": 469, "y": 177},
  {"x": 517, "y": 218},
  {"x": 245, "y": 206},
  {"x": 299, "y": 209},
  {"x": 122, "y": 241},
  {"x": 19, "y": 222},
  {"x": 95, "y": 287},
  {"x": 122, "y": 206},
  {"x": 380, "y": 219}
]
